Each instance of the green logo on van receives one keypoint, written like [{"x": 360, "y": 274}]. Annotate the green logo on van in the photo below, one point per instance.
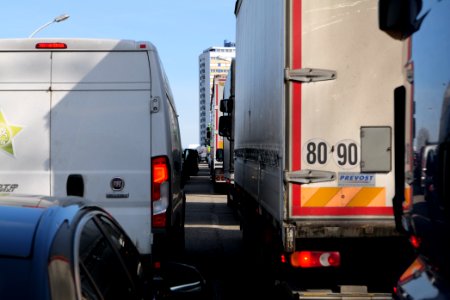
[{"x": 7, "y": 134}]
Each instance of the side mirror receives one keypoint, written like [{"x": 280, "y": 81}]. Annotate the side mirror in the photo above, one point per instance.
[
  {"x": 225, "y": 126},
  {"x": 208, "y": 133},
  {"x": 219, "y": 154},
  {"x": 398, "y": 18},
  {"x": 178, "y": 281},
  {"x": 226, "y": 105}
]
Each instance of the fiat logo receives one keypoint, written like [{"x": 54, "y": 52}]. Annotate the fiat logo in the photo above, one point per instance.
[{"x": 117, "y": 184}]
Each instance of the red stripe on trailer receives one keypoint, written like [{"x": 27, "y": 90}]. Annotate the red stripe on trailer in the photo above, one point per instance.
[
  {"x": 409, "y": 196},
  {"x": 217, "y": 96},
  {"x": 296, "y": 111},
  {"x": 216, "y": 112},
  {"x": 346, "y": 211}
]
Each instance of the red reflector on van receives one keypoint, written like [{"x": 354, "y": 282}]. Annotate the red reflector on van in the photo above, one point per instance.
[
  {"x": 315, "y": 259},
  {"x": 415, "y": 241},
  {"x": 51, "y": 46},
  {"x": 159, "y": 221}
]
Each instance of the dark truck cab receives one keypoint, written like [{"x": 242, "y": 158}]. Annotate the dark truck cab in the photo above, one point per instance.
[{"x": 426, "y": 220}]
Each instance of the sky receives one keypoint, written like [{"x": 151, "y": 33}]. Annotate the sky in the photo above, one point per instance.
[
  {"x": 180, "y": 29},
  {"x": 432, "y": 73}
]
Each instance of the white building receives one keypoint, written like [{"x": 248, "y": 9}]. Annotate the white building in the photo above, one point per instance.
[{"x": 213, "y": 61}]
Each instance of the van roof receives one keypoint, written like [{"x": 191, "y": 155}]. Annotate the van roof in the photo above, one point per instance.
[{"x": 78, "y": 44}]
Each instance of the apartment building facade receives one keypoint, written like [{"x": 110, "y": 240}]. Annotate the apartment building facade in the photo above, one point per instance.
[{"x": 212, "y": 61}]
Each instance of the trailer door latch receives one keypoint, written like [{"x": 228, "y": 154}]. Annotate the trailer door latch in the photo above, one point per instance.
[
  {"x": 309, "y": 75},
  {"x": 309, "y": 176}
]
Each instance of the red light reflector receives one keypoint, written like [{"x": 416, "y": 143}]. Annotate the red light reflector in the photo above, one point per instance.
[
  {"x": 415, "y": 241},
  {"x": 51, "y": 46},
  {"x": 157, "y": 265},
  {"x": 142, "y": 46},
  {"x": 159, "y": 221},
  {"x": 315, "y": 259}
]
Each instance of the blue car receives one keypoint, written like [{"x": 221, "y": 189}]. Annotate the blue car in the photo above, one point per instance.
[{"x": 67, "y": 249}]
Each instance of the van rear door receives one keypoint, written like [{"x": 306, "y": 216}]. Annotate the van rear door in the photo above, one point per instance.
[
  {"x": 25, "y": 122},
  {"x": 101, "y": 133}
]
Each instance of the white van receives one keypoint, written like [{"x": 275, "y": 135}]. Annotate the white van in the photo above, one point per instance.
[{"x": 93, "y": 118}]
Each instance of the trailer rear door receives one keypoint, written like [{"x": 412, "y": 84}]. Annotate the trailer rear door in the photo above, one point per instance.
[{"x": 344, "y": 71}]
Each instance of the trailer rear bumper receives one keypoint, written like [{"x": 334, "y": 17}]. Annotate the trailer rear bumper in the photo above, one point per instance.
[
  {"x": 347, "y": 292},
  {"x": 362, "y": 227}
]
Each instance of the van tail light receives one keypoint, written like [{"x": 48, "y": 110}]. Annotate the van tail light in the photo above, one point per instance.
[
  {"x": 51, "y": 46},
  {"x": 315, "y": 259},
  {"x": 160, "y": 190}
]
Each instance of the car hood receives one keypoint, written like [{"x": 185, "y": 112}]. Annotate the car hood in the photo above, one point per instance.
[{"x": 17, "y": 228}]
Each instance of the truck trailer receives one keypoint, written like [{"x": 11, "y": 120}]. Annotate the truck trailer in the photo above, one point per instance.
[
  {"x": 228, "y": 142},
  {"x": 216, "y": 141},
  {"x": 313, "y": 129}
]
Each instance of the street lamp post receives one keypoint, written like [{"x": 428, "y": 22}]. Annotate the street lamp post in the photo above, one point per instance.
[{"x": 55, "y": 20}]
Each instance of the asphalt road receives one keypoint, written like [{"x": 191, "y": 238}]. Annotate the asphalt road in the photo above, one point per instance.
[
  {"x": 214, "y": 245},
  {"x": 214, "y": 242}
]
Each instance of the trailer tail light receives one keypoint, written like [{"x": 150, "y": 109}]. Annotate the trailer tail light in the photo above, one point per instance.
[
  {"x": 315, "y": 259},
  {"x": 51, "y": 46},
  {"x": 160, "y": 190}
]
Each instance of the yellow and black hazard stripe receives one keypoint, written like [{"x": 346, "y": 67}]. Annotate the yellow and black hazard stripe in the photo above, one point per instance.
[
  {"x": 343, "y": 201},
  {"x": 343, "y": 197}
]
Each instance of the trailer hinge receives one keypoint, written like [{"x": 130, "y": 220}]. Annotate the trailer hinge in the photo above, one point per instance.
[
  {"x": 309, "y": 75},
  {"x": 309, "y": 176},
  {"x": 154, "y": 105}
]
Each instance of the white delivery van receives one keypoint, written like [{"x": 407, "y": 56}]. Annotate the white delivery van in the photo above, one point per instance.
[{"x": 93, "y": 118}]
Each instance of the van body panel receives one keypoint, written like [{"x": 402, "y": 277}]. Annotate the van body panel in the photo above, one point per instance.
[
  {"x": 93, "y": 135},
  {"x": 80, "y": 120},
  {"x": 31, "y": 72},
  {"x": 24, "y": 125},
  {"x": 112, "y": 71}
]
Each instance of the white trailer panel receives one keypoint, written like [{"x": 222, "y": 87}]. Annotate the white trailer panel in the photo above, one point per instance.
[
  {"x": 340, "y": 119},
  {"x": 260, "y": 119}
]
